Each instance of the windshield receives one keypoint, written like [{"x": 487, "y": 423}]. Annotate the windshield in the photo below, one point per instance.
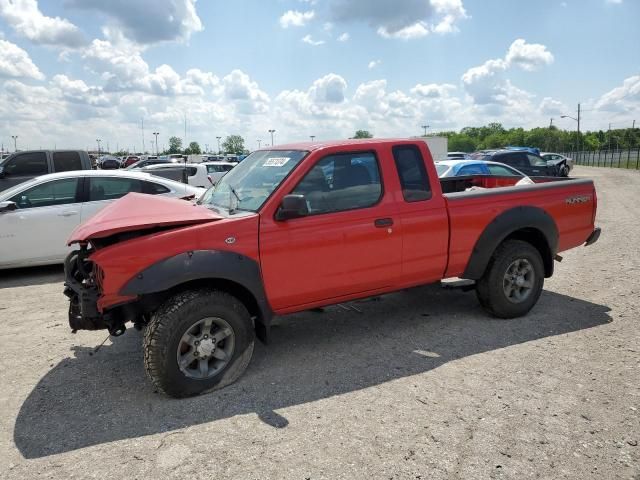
[
  {"x": 441, "y": 169},
  {"x": 247, "y": 186}
]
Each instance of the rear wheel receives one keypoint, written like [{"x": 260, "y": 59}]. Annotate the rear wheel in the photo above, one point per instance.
[
  {"x": 513, "y": 280},
  {"x": 198, "y": 341}
]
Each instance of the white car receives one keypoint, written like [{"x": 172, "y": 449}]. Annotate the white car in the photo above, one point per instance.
[
  {"x": 217, "y": 170},
  {"x": 37, "y": 216},
  {"x": 196, "y": 173}
]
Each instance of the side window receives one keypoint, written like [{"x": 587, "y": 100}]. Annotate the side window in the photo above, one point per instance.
[
  {"x": 514, "y": 159},
  {"x": 32, "y": 163},
  {"x": 471, "y": 170},
  {"x": 341, "y": 182},
  {"x": 191, "y": 171},
  {"x": 154, "y": 188},
  {"x": 110, "y": 188},
  {"x": 66, "y": 161},
  {"x": 58, "y": 192},
  {"x": 537, "y": 161},
  {"x": 412, "y": 173},
  {"x": 502, "y": 171}
]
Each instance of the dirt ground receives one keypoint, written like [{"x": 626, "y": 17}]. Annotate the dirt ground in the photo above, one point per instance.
[{"x": 421, "y": 384}]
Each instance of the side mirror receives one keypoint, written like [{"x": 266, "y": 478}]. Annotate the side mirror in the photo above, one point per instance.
[
  {"x": 7, "y": 207},
  {"x": 292, "y": 206}
]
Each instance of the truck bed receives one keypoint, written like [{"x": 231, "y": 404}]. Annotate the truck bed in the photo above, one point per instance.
[{"x": 570, "y": 202}]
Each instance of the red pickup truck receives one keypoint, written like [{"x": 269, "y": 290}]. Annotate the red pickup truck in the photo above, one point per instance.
[{"x": 306, "y": 225}]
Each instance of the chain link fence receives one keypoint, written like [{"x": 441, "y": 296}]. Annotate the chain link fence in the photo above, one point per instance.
[{"x": 629, "y": 158}]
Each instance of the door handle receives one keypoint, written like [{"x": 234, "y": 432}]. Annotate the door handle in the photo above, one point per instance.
[
  {"x": 68, "y": 214},
  {"x": 383, "y": 222}
]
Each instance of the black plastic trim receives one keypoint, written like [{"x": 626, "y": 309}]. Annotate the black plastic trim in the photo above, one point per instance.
[
  {"x": 593, "y": 238},
  {"x": 202, "y": 265},
  {"x": 508, "y": 223}
]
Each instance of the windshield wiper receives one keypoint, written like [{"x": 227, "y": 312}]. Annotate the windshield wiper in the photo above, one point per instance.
[{"x": 231, "y": 209}]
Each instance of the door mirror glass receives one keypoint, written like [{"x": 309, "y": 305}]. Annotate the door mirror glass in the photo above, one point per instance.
[
  {"x": 7, "y": 207},
  {"x": 292, "y": 206}
]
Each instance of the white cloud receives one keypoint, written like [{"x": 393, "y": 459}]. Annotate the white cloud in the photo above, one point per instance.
[
  {"x": 401, "y": 19},
  {"x": 28, "y": 21},
  {"x": 490, "y": 89},
  {"x": 528, "y": 56},
  {"x": 329, "y": 89},
  {"x": 625, "y": 98},
  {"x": 148, "y": 21},
  {"x": 249, "y": 98},
  {"x": 15, "y": 62},
  {"x": 433, "y": 90},
  {"x": 343, "y": 37},
  {"x": 294, "y": 18},
  {"x": 373, "y": 64},
  {"x": 551, "y": 106},
  {"x": 77, "y": 91},
  {"x": 309, "y": 40},
  {"x": 614, "y": 2}
]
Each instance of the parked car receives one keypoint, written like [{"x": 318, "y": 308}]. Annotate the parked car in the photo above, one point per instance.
[
  {"x": 37, "y": 217},
  {"x": 130, "y": 160},
  {"x": 303, "y": 226},
  {"x": 528, "y": 163},
  {"x": 456, "y": 168},
  {"x": 22, "y": 166},
  {"x": 194, "y": 174},
  {"x": 109, "y": 162},
  {"x": 217, "y": 170},
  {"x": 456, "y": 155},
  {"x": 562, "y": 163},
  {"x": 145, "y": 162}
]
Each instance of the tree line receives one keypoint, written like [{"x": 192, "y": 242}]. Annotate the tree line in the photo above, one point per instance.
[{"x": 494, "y": 135}]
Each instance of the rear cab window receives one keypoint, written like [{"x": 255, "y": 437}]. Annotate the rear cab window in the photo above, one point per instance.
[
  {"x": 66, "y": 161},
  {"x": 412, "y": 172}
]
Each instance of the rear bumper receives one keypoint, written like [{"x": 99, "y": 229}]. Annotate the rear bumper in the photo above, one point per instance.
[{"x": 593, "y": 238}]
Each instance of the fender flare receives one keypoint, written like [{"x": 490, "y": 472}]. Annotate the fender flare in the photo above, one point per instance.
[
  {"x": 212, "y": 265},
  {"x": 531, "y": 224}
]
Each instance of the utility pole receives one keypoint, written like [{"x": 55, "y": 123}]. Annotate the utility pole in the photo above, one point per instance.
[
  {"x": 142, "y": 120},
  {"x": 578, "y": 139},
  {"x": 156, "y": 135},
  {"x": 98, "y": 142},
  {"x": 218, "y": 144},
  {"x": 15, "y": 142},
  {"x": 551, "y": 122},
  {"x": 272, "y": 132},
  {"x": 185, "y": 130}
]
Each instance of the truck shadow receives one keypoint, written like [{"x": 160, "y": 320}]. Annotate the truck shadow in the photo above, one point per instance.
[
  {"x": 94, "y": 398},
  {"x": 28, "y": 276}
]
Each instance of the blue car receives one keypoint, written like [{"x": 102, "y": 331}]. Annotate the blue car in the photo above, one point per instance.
[{"x": 457, "y": 168}]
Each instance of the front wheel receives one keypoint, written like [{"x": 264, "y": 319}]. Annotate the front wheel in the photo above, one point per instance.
[
  {"x": 513, "y": 280},
  {"x": 198, "y": 341}
]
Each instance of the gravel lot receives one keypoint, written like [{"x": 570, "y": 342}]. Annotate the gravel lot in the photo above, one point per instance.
[{"x": 421, "y": 384}]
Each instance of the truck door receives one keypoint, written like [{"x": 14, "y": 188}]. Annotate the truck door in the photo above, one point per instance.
[
  {"x": 423, "y": 218},
  {"x": 349, "y": 243}
]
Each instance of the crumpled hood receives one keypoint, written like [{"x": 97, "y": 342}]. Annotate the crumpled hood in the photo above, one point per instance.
[{"x": 137, "y": 211}]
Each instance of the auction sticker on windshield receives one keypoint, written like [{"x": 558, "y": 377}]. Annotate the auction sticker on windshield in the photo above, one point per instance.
[{"x": 276, "y": 161}]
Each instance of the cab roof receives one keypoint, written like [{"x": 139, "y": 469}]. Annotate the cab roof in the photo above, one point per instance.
[{"x": 311, "y": 146}]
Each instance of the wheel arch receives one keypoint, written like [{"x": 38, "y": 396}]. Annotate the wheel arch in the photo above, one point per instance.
[
  {"x": 530, "y": 224},
  {"x": 230, "y": 272}
]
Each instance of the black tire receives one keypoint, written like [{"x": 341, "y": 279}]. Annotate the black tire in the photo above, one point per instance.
[
  {"x": 492, "y": 288},
  {"x": 164, "y": 336}
]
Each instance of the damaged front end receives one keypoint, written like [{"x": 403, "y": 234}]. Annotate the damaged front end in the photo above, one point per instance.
[{"x": 83, "y": 287}]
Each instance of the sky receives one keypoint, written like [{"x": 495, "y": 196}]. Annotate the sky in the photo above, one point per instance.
[{"x": 74, "y": 71}]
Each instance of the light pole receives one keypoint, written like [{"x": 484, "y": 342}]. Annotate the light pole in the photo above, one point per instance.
[
  {"x": 577, "y": 120},
  {"x": 98, "y": 142},
  {"x": 259, "y": 141},
  {"x": 312, "y": 137},
  {"x": 206, "y": 148},
  {"x": 272, "y": 132},
  {"x": 15, "y": 142},
  {"x": 425, "y": 129},
  {"x": 155, "y": 134},
  {"x": 218, "y": 144}
]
